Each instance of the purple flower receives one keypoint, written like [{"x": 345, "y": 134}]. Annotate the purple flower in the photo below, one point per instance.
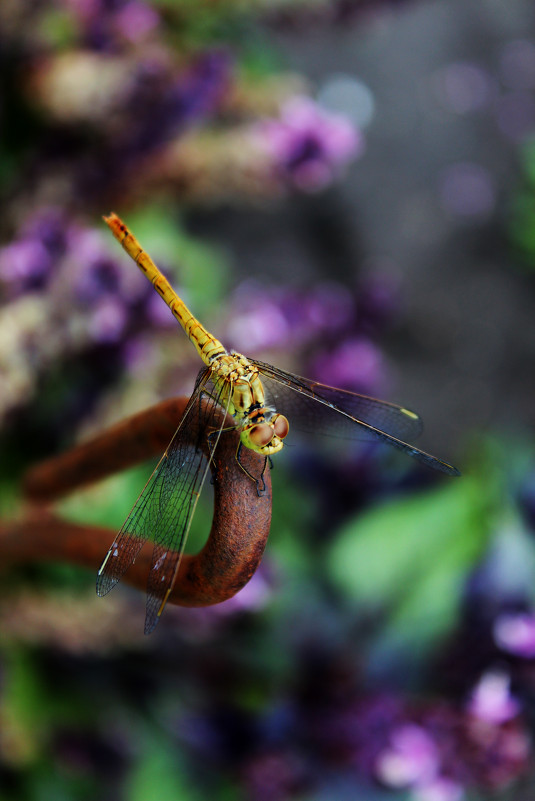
[
  {"x": 378, "y": 300},
  {"x": 108, "y": 321},
  {"x": 307, "y": 144},
  {"x": 262, "y": 327},
  {"x": 491, "y": 701},
  {"x": 411, "y": 758},
  {"x": 274, "y": 318},
  {"x": 98, "y": 275},
  {"x": 468, "y": 190},
  {"x": 100, "y": 278},
  {"x": 204, "y": 84},
  {"x": 464, "y": 87},
  {"x": 27, "y": 263},
  {"x": 329, "y": 307},
  {"x": 267, "y": 318},
  {"x": 135, "y": 20},
  {"x": 160, "y": 105},
  {"x": 515, "y": 632},
  {"x": 356, "y": 364},
  {"x": 440, "y": 788},
  {"x": 104, "y": 24},
  {"x": 24, "y": 265},
  {"x": 49, "y": 226}
]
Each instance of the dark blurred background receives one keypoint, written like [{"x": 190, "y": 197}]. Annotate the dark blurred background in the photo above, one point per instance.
[
  {"x": 447, "y": 89},
  {"x": 344, "y": 189}
]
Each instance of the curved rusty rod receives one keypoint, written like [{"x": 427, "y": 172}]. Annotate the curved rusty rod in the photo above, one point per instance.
[{"x": 240, "y": 524}]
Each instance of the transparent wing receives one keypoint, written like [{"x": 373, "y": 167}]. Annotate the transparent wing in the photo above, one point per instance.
[
  {"x": 163, "y": 512},
  {"x": 319, "y": 409}
]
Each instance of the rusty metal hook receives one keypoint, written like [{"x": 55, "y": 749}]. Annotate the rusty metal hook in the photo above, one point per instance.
[{"x": 240, "y": 524}]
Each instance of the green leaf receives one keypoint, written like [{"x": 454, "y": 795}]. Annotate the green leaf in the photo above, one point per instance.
[
  {"x": 23, "y": 706},
  {"x": 108, "y": 502},
  {"x": 159, "y": 774},
  {"x": 411, "y": 558}
]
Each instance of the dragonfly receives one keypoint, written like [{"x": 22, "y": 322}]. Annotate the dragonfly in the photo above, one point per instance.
[{"x": 262, "y": 402}]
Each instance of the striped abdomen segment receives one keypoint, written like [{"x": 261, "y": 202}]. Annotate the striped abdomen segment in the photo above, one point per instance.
[{"x": 207, "y": 345}]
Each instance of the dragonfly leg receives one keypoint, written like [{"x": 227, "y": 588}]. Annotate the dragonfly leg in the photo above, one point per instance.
[{"x": 260, "y": 481}]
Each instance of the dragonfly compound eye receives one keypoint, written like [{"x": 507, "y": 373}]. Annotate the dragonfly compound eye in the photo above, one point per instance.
[
  {"x": 261, "y": 435},
  {"x": 281, "y": 426}
]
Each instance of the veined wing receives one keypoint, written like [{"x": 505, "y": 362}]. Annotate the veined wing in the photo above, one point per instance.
[
  {"x": 164, "y": 510},
  {"x": 320, "y": 409}
]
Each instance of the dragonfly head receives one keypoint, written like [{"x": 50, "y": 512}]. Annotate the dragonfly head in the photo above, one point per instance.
[{"x": 263, "y": 435}]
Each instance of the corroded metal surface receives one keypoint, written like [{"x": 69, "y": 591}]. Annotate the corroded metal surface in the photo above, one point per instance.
[{"x": 240, "y": 525}]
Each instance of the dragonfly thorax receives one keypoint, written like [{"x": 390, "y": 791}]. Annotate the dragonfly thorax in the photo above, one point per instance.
[
  {"x": 230, "y": 366},
  {"x": 262, "y": 428}
]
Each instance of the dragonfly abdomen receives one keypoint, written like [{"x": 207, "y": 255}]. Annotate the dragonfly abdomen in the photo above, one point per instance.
[{"x": 207, "y": 346}]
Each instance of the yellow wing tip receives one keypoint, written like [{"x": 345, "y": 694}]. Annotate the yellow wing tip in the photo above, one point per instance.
[{"x": 410, "y": 414}]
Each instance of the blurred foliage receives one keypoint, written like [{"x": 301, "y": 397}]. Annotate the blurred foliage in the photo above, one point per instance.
[
  {"x": 413, "y": 557},
  {"x": 356, "y": 662},
  {"x": 522, "y": 215}
]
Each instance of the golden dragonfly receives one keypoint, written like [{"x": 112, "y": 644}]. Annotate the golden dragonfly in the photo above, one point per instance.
[{"x": 261, "y": 402}]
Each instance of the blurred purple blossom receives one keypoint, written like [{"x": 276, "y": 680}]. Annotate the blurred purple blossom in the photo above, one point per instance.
[
  {"x": 138, "y": 355},
  {"x": 24, "y": 265},
  {"x": 63, "y": 296},
  {"x": 133, "y": 106},
  {"x": 136, "y": 19},
  {"x": 434, "y": 753},
  {"x": 61, "y": 256},
  {"x": 357, "y": 364},
  {"x": 100, "y": 277},
  {"x": 263, "y": 326},
  {"x": 307, "y": 144},
  {"x": 491, "y": 700},
  {"x": 467, "y": 87},
  {"x": 256, "y": 594},
  {"x": 108, "y": 321},
  {"x": 439, "y": 788},
  {"x": 468, "y": 190},
  {"x": 333, "y": 324},
  {"x": 264, "y": 317},
  {"x": 29, "y": 261},
  {"x": 270, "y": 317},
  {"x": 163, "y": 101},
  {"x": 48, "y": 225},
  {"x": 515, "y": 633},
  {"x": 329, "y": 306},
  {"x": 102, "y": 24},
  {"x": 411, "y": 758},
  {"x": 464, "y": 87}
]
